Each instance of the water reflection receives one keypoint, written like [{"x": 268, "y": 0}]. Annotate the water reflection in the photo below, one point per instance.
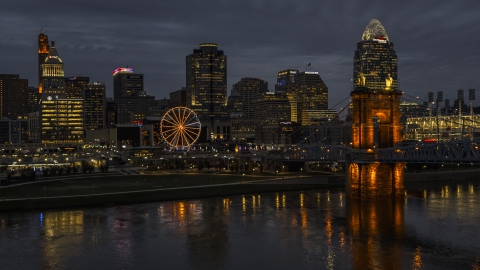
[
  {"x": 283, "y": 230},
  {"x": 376, "y": 230}
]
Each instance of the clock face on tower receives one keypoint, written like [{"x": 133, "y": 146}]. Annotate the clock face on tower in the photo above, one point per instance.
[{"x": 49, "y": 97}]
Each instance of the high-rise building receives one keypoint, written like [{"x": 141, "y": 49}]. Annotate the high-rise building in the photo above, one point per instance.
[
  {"x": 53, "y": 75},
  {"x": 178, "y": 98},
  {"x": 206, "y": 83},
  {"x": 248, "y": 88},
  {"x": 271, "y": 108},
  {"x": 13, "y": 96},
  {"x": 74, "y": 86},
  {"x": 308, "y": 93},
  {"x": 32, "y": 103},
  {"x": 13, "y": 131},
  {"x": 111, "y": 113},
  {"x": 134, "y": 108},
  {"x": 61, "y": 118},
  {"x": 43, "y": 50},
  {"x": 94, "y": 106},
  {"x": 375, "y": 60},
  {"x": 235, "y": 105},
  {"x": 285, "y": 79},
  {"x": 126, "y": 83}
]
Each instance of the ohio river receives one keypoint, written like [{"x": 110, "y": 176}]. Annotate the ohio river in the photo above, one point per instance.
[{"x": 435, "y": 227}]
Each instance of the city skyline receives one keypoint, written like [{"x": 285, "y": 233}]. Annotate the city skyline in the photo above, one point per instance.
[{"x": 154, "y": 40}]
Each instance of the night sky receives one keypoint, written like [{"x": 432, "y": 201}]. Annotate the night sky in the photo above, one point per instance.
[{"x": 437, "y": 42}]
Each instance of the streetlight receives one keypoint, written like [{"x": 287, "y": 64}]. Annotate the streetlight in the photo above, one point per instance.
[{"x": 243, "y": 178}]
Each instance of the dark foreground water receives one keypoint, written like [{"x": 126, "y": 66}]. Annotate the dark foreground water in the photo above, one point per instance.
[{"x": 435, "y": 227}]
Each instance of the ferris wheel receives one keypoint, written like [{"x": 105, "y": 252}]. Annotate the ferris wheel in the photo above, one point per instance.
[{"x": 180, "y": 127}]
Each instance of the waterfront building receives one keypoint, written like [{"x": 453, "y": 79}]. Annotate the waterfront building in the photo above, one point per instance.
[
  {"x": 61, "y": 118},
  {"x": 43, "y": 51},
  {"x": 285, "y": 80},
  {"x": 13, "y": 131},
  {"x": 308, "y": 92},
  {"x": 126, "y": 83},
  {"x": 206, "y": 87},
  {"x": 248, "y": 88},
  {"x": 154, "y": 122},
  {"x": 94, "y": 106},
  {"x": 74, "y": 86},
  {"x": 13, "y": 96},
  {"x": 242, "y": 130},
  {"x": 375, "y": 60}
]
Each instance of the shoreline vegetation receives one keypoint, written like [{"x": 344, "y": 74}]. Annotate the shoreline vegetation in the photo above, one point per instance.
[{"x": 115, "y": 188}]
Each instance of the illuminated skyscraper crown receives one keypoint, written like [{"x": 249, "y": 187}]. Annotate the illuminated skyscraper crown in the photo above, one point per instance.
[
  {"x": 374, "y": 30},
  {"x": 53, "y": 57}
]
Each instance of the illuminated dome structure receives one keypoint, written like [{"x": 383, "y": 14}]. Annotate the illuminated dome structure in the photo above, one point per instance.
[
  {"x": 180, "y": 127},
  {"x": 375, "y": 30},
  {"x": 375, "y": 60}
]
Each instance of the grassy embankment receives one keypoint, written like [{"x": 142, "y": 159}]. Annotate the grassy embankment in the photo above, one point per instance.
[{"x": 98, "y": 190}]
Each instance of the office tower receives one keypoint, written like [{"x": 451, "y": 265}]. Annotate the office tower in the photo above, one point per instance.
[
  {"x": 285, "y": 79},
  {"x": 32, "y": 103},
  {"x": 206, "y": 82},
  {"x": 94, "y": 106},
  {"x": 34, "y": 127},
  {"x": 43, "y": 50},
  {"x": 53, "y": 75},
  {"x": 13, "y": 131},
  {"x": 127, "y": 83},
  {"x": 133, "y": 109},
  {"x": 13, "y": 96},
  {"x": 375, "y": 61},
  {"x": 111, "y": 113},
  {"x": 235, "y": 105},
  {"x": 271, "y": 108},
  {"x": 74, "y": 86},
  {"x": 178, "y": 98},
  {"x": 248, "y": 88},
  {"x": 61, "y": 118},
  {"x": 160, "y": 108},
  {"x": 307, "y": 94}
]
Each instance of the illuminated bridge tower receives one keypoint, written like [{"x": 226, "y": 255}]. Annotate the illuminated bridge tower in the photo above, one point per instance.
[{"x": 376, "y": 117}]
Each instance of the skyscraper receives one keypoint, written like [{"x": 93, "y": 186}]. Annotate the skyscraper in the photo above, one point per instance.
[
  {"x": 285, "y": 79},
  {"x": 43, "y": 50},
  {"x": 61, "y": 118},
  {"x": 94, "y": 106},
  {"x": 206, "y": 82},
  {"x": 307, "y": 94},
  {"x": 248, "y": 88},
  {"x": 375, "y": 60},
  {"x": 74, "y": 86},
  {"x": 126, "y": 83},
  {"x": 53, "y": 75},
  {"x": 13, "y": 96}
]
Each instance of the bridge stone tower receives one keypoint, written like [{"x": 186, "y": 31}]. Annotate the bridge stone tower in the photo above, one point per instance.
[{"x": 376, "y": 117}]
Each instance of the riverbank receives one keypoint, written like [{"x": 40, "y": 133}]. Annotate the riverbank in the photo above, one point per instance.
[{"x": 140, "y": 188}]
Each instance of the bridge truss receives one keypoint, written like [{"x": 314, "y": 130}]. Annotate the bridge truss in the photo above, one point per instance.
[{"x": 460, "y": 152}]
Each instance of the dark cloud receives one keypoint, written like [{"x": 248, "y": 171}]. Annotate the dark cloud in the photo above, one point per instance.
[{"x": 436, "y": 43}]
